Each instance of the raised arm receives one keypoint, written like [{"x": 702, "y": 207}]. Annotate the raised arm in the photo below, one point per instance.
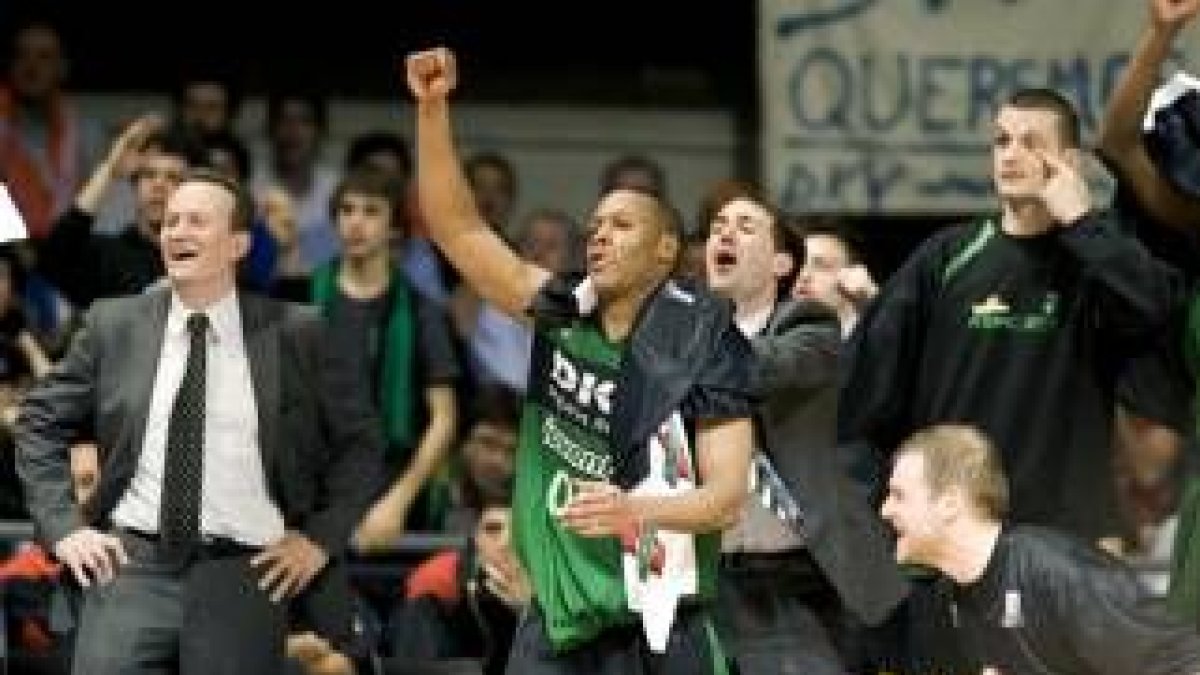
[
  {"x": 117, "y": 163},
  {"x": 1121, "y": 128},
  {"x": 385, "y": 521},
  {"x": 446, "y": 200},
  {"x": 71, "y": 256},
  {"x": 801, "y": 356},
  {"x": 1136, "y": 292}
]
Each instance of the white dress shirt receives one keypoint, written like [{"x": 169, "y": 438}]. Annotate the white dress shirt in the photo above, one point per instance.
[
  {"x": 758, "y": 530},
  {"x": 234, "y": 498}
]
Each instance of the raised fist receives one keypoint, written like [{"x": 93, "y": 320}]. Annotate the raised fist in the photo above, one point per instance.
[
  {"x": 1173, "y": 13},
  {"x": 431, "y": 74},
  {"x": 854, "y": 282}
]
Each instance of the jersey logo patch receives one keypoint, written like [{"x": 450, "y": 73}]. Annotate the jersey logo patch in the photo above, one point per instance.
[
  {"x": 1012, "y": 617},
  {"x": 588, "y": 390}
]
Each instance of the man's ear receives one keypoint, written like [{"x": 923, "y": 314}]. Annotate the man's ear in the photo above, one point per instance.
[
  {"x": 957, "y": 502},
  {"x": 1075, "y": 158},
  {"x": 952, "y": 503},
  {"x": 782, "y": 264},
  {"x": 667, "y": 250},
  {"x": 241, "y": 243}
]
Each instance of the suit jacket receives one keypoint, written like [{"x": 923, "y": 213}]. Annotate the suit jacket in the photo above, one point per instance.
[
  {"x": 796, "y": 380},
  {"x": 321, "y": 444}
]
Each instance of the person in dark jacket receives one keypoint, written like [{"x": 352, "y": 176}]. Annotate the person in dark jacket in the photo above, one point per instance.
[
  {"x": 84, "y": 265},
  {"x": 786, "y": 583},
  {"x": 467, "y": 603},
  {"x": 1016, "y": 324},
  {"x": 1024, "y": 599}
]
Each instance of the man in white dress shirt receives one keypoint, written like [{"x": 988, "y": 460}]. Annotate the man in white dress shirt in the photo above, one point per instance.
[{"x": 235, "y": 462}]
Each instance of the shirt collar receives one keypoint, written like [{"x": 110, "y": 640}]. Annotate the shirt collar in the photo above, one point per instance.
[
  {"x": 225, "y": 321},
  {"x": 754, "y": 324}
]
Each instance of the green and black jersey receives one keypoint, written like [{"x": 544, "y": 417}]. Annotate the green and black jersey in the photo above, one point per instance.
[{"x": 564, "y": 437}]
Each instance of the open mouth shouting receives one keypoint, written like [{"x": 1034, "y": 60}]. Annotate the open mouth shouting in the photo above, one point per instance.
[
  {"x": 723, "y": 261},
  {"x": 596, "y": 261},
  {"x": 181, "y": 253}
]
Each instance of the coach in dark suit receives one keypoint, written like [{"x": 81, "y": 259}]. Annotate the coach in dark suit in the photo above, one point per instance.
[{"x": 235, "y": 458}]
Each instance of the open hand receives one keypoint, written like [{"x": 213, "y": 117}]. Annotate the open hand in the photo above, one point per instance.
[
  {"x": 290, "y": 565},
  {"x": 92, "y": 556},
  {"x": 598, "y": 510}
]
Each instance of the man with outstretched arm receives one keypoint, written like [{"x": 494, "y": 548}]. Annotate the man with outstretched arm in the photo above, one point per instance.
[{"x": 635, "y": 436}]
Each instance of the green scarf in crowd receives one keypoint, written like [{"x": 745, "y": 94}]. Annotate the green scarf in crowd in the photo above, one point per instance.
[{"x": 396, "y": 402}]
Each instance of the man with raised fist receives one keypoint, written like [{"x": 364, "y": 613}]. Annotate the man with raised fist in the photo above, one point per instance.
[{"x": 636, "y": 423}]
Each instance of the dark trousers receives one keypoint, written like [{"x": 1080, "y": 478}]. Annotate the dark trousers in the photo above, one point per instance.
[
  {"x": 206, "y": 616},
  {"x": 778, "y": 614},
  {"x": 692, "y": 649}
]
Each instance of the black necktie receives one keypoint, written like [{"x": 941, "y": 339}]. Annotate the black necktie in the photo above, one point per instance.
[{"x": 183, "y": 471}]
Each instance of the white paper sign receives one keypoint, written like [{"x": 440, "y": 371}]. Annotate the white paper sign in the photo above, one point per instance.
[
  {"x": 12, "y": 225},
  {"x": 885, "y": 106}
]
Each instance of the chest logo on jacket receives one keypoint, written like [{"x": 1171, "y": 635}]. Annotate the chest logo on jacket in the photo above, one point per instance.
[{"x": 995, "y": 314}]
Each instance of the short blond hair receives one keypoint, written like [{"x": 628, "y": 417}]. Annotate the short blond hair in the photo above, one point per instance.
[{"x": 962, "y": 456}]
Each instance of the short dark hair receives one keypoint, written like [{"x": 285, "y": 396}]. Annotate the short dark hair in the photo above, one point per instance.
[
  {"x": 667, "y": 215},
  {"x": 724, "y": 192},
  {"x": 610, "y": 176},
  {"x": 315, "y": 103},
  {"x": 225, "y": 141},
  {"x": 243, "y": 203},
  {"x": 1040, "y": 98},
  {"x": 829, "y": 226},
  {"x": 220, "y": 74},
  {"x": 489, "y": 494},
  {"x": 495, "y": 405},
  {"x": 31, "y": 23},
  {"x": 495, "y": 161},
  {"x": 559, "y": 217},
  {"x": 375, "y": 183},
  {"x": 365, "y": 145},
  {"x": 178, "y": 142},
  {"x": 783, "y": 238}
]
